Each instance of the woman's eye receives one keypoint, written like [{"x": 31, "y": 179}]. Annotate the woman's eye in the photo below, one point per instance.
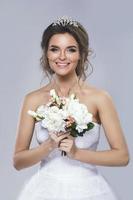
[
  {"x": 72, "y": 50},
  {"x": 53, "y": 49}
]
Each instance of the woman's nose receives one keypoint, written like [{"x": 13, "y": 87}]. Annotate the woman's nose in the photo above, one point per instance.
[{"x": 62, "y": 55}]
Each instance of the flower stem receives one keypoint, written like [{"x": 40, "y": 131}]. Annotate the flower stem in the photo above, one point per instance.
[{"x": 63, "y": 153}]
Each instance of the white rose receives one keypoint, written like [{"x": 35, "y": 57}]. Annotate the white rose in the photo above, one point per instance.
[
  {"x": 80, "y": 113},
  {"x": 54, "y": 119}
]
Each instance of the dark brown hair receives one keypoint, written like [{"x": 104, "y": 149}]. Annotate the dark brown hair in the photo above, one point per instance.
[{"x": 80, "y": 35}]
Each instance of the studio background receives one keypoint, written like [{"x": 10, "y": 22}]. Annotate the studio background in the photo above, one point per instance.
[{"x": 109, "y": 24}]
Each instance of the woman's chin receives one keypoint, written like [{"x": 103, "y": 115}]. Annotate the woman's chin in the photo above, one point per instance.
[{"x": 63, "y": 72}]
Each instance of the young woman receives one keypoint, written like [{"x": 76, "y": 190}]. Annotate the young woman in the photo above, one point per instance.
[{"x": 65, "y": 49}]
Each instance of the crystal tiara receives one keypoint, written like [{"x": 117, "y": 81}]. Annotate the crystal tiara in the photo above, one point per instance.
[{"x": 63, "y": 21}]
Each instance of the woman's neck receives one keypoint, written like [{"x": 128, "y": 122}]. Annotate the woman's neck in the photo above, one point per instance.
[
  {"x": 65, "y": 81},
  {"x": 64, "y": 85}
]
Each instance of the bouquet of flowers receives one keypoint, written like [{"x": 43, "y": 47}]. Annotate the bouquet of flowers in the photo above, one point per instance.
[{"x": 62, "y": 114}]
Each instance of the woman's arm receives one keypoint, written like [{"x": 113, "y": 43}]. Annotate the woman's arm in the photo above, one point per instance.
[
  {"x": 118, "y": 154},
  {"x": 23, "y": 156}
]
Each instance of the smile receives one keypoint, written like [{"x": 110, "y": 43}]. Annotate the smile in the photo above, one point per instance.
[{"x": 62, "y": 64}]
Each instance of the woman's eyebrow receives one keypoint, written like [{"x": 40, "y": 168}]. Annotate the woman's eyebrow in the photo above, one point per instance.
[
  {"x": 71, "y": 46},
  {"x": 54, "y": 46}
]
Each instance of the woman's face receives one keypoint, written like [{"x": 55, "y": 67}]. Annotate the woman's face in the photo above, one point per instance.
[{"x": 63, "y": 53}]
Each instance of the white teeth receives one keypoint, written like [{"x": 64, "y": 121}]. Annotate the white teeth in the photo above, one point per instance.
[{"x": 62, "y": 64}]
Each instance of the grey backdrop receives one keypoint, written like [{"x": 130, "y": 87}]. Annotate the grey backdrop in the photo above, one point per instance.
[{"x": 110, "y": 28}]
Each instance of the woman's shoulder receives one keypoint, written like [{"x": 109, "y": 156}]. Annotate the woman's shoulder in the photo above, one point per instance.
[
  {"x": 37, "y": 97},
  {"x": 98, "y": 94}
]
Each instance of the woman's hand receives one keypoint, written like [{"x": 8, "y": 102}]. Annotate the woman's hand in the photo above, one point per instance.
[
  {"x": 56, "y": 138},
  {"x": 68, "y": 145}
]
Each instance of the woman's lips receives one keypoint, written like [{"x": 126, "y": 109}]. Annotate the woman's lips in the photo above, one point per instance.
[{"x": 62, "y": 64}]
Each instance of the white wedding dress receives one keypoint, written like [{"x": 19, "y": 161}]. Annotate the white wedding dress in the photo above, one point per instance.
[{"x": 62, "y": 178}]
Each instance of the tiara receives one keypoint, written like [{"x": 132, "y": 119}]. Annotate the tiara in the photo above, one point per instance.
[{"x": 63, "y": 21}]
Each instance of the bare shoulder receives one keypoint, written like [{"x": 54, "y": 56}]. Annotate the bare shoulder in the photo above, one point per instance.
[
  {"x": 99, "y": 95},
  {"x": 99, "y": 102},
  {"x": 97, "y": 98},
  {"x": 102, "y": 98},
  {"x": 37, "y": 97}
]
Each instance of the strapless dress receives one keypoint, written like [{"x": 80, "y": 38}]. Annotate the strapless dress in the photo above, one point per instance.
[{"x": 62, "y": 178}]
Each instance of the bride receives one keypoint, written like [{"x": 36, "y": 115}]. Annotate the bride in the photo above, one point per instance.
[{"x": 65, "y": 54}]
